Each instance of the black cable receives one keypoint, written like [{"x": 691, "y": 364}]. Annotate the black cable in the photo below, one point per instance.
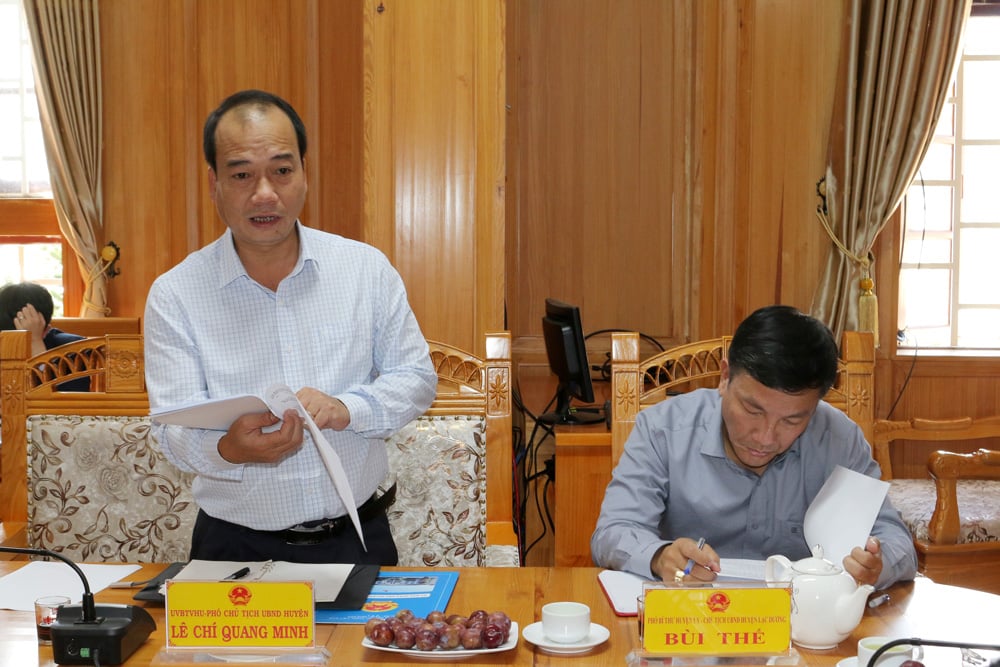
[
  {"x": 920, "y": 261},
  {"x": 605, "y": 368},
  {"x": 646, "y": 337},
  {"x": 545, "y": 503},
  {"x": 528, "y": 460},
  {"x": 906, "y": 381},
  {"x": 544, "y": 532},
  {"x": 916, "y": 641}
]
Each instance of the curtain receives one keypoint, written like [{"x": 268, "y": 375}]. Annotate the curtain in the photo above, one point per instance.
[
  {"x": 65, "y": 40},
  {"x": 896, "y": 66}
]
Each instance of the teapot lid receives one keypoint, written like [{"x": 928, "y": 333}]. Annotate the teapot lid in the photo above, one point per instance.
[{"x": 816, "y": 564}]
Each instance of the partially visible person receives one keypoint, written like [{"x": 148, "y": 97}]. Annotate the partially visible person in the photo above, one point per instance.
[
  {"x": 739, "y": 465},
  {"x": 273, "y": 301},
  {"x": 29, "y": 306}
]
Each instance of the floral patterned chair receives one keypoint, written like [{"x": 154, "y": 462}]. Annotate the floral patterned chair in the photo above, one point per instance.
[
  {"x": 452, "y": 465},
  {"x": 80, "y": 469},
  {"x": 85, "y": 477},
  {"x": 954, "y": 514}
]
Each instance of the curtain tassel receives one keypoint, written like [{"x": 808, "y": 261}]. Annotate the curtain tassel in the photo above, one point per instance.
[{"x": 868, "y": 307}]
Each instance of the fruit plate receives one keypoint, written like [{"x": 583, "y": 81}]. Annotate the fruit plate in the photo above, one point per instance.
[{"x": 448, "y": 654}]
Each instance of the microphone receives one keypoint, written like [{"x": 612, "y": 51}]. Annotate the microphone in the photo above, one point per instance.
[
  {"x": 916, "y": 641},
  {"x": 88, "y": 634}
]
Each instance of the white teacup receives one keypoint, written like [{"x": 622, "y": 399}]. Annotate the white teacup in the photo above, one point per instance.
[
  {"x": 893, "y": 657},
  {"x": 565, "y": 622}
]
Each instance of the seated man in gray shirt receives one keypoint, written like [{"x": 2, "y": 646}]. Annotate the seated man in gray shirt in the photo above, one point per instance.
[{"x": 740, "y": 465}]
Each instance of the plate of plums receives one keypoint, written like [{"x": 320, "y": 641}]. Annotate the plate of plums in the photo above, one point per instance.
[{"x": 441, "y": 636}]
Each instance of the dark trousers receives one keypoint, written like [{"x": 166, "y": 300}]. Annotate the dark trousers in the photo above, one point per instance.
[{"x": 215, "y": 539}]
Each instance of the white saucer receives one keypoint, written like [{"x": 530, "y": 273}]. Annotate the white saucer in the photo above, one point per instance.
[
  {"x": 848, "y": 662},
  {"x": 598, "y": 635}
]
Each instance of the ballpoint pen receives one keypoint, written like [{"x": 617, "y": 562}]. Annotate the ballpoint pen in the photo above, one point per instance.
[
  {"x": 238, "y": 574},
  {"x": 690, "y": 563},
  {"x": 878, "y": 600},
  {"x": 131, "y": 584}
]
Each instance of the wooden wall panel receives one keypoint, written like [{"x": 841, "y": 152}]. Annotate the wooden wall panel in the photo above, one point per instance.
[
  {"x": 665, "y": 161},
  {"x": 166, "y": 64},
  {"x": 600, "y": 164},
  {"x": 149, "y": 161},
  {"x": 662, "y": 156},
  {"x": 795, "y": 54},
  {"x": 434, "y": 159}
]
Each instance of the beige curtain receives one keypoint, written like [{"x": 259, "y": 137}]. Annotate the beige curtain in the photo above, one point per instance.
[
  {"x": 896, "y": 65},
  {"x": 65, "y": 39}
]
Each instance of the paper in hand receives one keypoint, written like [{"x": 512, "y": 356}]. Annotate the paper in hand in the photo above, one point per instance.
[
  {"x": 843, "y": 513},
  {"x": 219, "y": 414},
  {"x": 280, "y": 398}
]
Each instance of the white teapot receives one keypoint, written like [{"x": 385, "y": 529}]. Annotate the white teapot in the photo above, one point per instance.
[{"x": 827, "y": 603}]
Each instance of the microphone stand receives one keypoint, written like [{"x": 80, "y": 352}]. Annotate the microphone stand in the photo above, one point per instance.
[
  {"x": 916, "y": 641},
  {"x": 89, "y": 639},
  {"x": 87, "y": 601}
]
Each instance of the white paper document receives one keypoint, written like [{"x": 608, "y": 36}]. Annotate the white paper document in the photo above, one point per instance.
[
  {"x": 622, "y": 588},
  {"x": 327, "y": 578},
  {"x": 19, "y": 589},
  {"x": 843, "y": 513},
  {"x": 219, "y": 415},
  {"x": 216, "y": 414}
]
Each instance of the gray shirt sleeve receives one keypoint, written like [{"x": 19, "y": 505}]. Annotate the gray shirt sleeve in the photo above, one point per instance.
[{"x": 674, "y": 480}]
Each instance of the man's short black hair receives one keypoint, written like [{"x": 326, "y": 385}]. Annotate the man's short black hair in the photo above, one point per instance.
[
  {"x": 257, "y": 98},
  {"x": 15, "y": 296},
  {"x": 785, "y": 349}
]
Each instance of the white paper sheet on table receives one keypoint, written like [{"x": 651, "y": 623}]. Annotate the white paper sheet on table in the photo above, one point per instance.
[
  {"x": 622, "y": 588},
  {"x": 842, "y": 514},
  {"x": 19, "y": 589}
]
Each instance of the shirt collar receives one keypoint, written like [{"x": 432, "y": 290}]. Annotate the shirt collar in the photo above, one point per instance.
[{"x": 231, "y": 268}]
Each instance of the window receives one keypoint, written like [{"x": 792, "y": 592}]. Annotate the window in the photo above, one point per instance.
[
  {"x": 23, "y": 170},
  {"x": 31, "y": 246},
  {"x": 949, "y": 281}
]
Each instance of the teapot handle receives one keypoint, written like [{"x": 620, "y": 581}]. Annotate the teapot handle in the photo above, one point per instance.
[{"x": 777, "y": 568}]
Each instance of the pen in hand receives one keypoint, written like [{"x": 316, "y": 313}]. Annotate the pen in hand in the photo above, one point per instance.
[
  {"x": 878, "y": 600},
  {"x": 238, "y": 574},
  {"x": 690, "y": 563}
]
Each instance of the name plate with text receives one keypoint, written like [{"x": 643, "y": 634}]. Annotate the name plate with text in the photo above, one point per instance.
[
  {"x": 216, "y": 614},
  {"x": 718, "y": 621}
]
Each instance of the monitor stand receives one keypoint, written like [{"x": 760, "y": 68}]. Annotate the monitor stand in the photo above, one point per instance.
[{"x": 567, "y": 415}]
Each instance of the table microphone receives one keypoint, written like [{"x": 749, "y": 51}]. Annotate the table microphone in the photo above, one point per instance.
[
  {"x": 916, "y": 641},
  {"x": 89, "y": 634}
]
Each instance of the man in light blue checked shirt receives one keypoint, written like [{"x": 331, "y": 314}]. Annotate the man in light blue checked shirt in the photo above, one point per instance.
[{"x": 272, "y": 301}]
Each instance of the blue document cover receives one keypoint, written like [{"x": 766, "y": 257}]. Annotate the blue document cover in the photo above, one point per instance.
[{"x": 421, "y": 592}]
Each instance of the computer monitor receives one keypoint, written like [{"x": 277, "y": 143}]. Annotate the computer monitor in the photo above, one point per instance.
[{"x": 567, "y": 353}]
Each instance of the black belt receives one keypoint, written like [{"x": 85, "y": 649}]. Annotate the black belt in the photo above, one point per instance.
[{"x": 314, "y": 532}]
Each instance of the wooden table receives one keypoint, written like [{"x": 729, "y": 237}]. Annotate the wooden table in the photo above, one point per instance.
[{"x": 922, "y": 609}]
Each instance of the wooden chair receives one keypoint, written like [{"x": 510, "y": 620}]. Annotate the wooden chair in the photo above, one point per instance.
[
  {"x": 637, "y": 384},
  {"x": 80, "y": 470},
  {"x": 955, "y": 515},
  {"x": 90, "y": 327},
  {"x": 75, "y": 467},
  {"x": 452, "y": 465}
]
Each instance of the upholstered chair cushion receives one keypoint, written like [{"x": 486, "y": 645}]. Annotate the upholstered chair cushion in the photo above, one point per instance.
[
  {"x": 978, "y": 507},
  {"x": 100, "y": 489},
  {"x": 439, "y": 516}
]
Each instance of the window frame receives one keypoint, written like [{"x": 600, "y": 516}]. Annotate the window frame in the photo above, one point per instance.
[
  {"x": 895, "y": 240},
  {"x": 34, "y": 220}
]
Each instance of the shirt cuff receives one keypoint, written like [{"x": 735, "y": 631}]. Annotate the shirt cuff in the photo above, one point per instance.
[
  {"x": 357, "y": 407},
  {"x": 210, "y": 446},
  {"x": 642, "y": 562}
]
